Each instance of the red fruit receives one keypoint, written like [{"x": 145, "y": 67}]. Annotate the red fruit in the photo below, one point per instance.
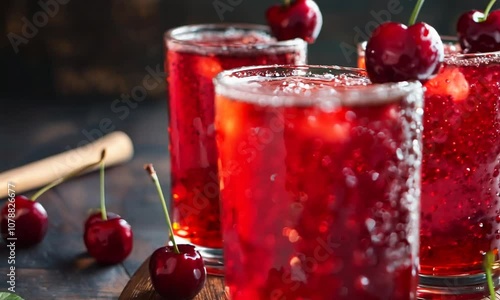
[
  {"x": 97, "y": 216},
  {"x": 477, "y": 35},
  {"x": 109, "y": 241},
  {"x": 396, "y": 53},
  {"x": 28, "y": 219},
  {"x": 177, "y": 276},
  {"x": 300, "y": 19},
  {"x": 177, "y": 272}
]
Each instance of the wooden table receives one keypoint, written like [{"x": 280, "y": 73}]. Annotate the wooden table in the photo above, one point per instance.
[{"x": 59, "y": 267}]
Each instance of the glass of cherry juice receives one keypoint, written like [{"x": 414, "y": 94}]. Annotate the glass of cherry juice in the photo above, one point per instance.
[
  {"x": 460, "y": 218},
  {"x": 320, "y": 183},
  {"x": 460, "y": 180},
  {"x": 194, "y": 55}
]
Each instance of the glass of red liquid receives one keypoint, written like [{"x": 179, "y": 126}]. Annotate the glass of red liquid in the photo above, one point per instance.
[
  {"x": 460, "y": 180},
  {"x": 460, "y": 217},
  {"x": 320, "y": 183},
  {"x": 194, "y": 55}
]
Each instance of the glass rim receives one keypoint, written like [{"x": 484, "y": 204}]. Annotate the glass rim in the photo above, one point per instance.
[
  {"x": 226, "y": 85},
  {"x": 172, "y": 36},
  {"x": 466, "y": 56}
]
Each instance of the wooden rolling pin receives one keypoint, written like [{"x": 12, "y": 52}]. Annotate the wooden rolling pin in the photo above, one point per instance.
[{"x": 119, "y": 149}]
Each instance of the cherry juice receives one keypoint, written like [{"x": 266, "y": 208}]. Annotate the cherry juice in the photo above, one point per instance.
[
  {"x": 319, "y": 201},
  {"x": 193, "y": 59},
  {"x": 461, "y": 167}
]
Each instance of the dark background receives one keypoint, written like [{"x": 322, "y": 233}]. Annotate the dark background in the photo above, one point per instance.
[{"x": 95, "y": 50}]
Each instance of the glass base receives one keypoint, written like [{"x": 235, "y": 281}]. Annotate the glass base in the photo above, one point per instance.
[
  {"x": 455, "y": 287},
  {"x": 213, "y": 257}
]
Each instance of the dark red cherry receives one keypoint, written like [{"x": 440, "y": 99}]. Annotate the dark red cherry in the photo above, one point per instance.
[
  {"x": 299, "y": 19},
  {"x": 177, "y": 272},
  {"x": 177, "y": 276},
  {"x": 23, "y": 219},
  {"x": 396, "y": 53},
  {"x": 107, "y": 236},
  {"x": 109, "y": 241},
  {"x": 478, "y": 35}
]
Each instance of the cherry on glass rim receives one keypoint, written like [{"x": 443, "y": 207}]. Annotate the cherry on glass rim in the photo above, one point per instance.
[
  {"x": 396, "y": 52},
  {"x": 295, "y": 19},
  {"x": 479, "y": 32}
]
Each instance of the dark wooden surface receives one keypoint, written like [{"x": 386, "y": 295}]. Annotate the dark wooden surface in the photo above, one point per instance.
[{"x": 59, "y": 267}]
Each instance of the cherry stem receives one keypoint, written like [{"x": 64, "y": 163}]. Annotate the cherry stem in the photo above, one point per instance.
[
  {"x": 104, "y": 215},
  {"x": 64, "y": 178},
  {"x": 151, "y": 171},
  {"x": 416, "y": 12},
  {"x": 487, "y": 10},
  {"x": 287, "y": 3},
  {"x": 488, "y": 262}
]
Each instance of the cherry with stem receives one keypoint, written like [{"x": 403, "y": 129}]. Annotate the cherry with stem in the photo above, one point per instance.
[
  {"x": 479, "y": 32},
  {"x": 177, "y": 272},
  {"x": 295, "y": 19},
  {"x": 108, "y": 240},
  {"x": 396, "y": 52}
]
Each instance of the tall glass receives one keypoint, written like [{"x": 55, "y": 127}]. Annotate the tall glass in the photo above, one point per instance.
[
  {"x": 461, "y": 183},
  {"x": 195, "y": 54},
  {"x": 320, "y": 183}
]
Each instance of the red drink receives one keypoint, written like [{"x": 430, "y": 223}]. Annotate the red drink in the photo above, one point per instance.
[
  {"x": 461, "y": 168},
  {"x": 195, "y": 55},
  {"x": 319, "y": 184},
  {"x": 460, "y": 219}
]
